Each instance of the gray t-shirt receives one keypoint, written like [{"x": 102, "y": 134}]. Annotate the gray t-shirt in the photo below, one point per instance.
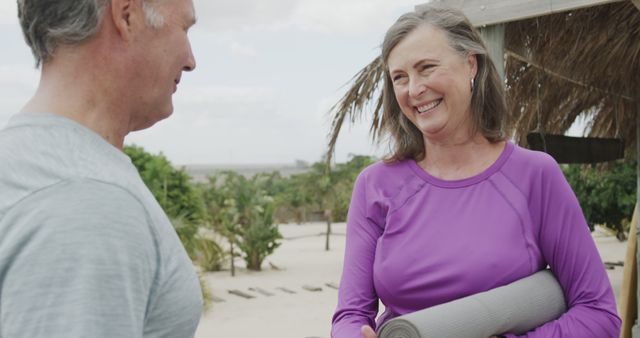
[{"x": 85, "y": 249}]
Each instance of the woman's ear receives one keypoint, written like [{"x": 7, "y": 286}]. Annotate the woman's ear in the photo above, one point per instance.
[{"x": 472, "y": 61}]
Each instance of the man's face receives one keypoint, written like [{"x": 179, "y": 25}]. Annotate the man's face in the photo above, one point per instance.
[{"x": 165, "y": 53}]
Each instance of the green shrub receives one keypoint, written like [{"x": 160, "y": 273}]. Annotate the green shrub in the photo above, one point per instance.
[
  {"x": 242, "y": 211},
  {"x": 607, "y": 193}
]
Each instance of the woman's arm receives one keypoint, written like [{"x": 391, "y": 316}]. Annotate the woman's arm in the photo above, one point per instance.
[
  {"x": 569, "y": 249},
  {"x": 357, "y": 299},
  {"x": 516, "y": 307}
]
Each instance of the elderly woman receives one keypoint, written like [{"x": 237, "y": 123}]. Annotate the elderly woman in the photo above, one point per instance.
[{"x": 456, "y": 209}]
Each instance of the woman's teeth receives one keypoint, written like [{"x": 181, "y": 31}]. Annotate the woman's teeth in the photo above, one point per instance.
[{"x": 429, "y": 106}]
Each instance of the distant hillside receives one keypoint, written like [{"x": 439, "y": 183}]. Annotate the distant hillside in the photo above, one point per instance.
[{"x": 200, "y": 172}]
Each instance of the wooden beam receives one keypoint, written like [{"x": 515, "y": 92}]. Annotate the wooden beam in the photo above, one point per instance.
[
  {"x": 489, "y": 12},
  {"x": 494, "y": 38}
]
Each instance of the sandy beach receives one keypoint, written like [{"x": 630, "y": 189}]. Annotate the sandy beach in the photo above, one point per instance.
[{"x": 283, "y": 308}]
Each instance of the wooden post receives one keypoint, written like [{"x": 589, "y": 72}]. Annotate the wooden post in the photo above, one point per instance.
[
  {"x": 635, "y": 332},
  {"x": 328, "y": 214},
  {"x": 627, "y": 306},
  {"x": 494, "y": 39},
  {"x": 233, "y": 265}
]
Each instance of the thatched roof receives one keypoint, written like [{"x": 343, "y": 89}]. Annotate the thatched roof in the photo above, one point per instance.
[
  {"x": 582, "y": 62},
  {"x": 558, "y": 67}
]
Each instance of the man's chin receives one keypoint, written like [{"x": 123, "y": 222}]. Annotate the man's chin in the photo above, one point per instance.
[{"x": 151, "y": 120}]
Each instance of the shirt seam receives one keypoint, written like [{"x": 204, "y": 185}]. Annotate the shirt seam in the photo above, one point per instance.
[
  {"x": 406, "y": 200},
  {"x": 522, "y": 223},
  {"x": 149, "y": 221},
  {"x": 523, "y": 196}
]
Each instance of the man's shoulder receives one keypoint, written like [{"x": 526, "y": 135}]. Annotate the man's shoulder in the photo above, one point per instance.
[
  {"x": 56, "y": 158},
  {"x": 80, "y": 208},
  {"x": 86, "y": 196}
]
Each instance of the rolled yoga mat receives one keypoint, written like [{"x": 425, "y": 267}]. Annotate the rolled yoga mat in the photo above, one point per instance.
[{"x": 516, "y": 308}]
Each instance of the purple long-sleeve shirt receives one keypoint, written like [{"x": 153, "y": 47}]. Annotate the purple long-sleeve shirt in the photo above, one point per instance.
[{"x": 415, "y": 241}]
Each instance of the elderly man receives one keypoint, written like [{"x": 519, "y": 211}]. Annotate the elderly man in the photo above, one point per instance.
[{"x": 85, "y": 250}]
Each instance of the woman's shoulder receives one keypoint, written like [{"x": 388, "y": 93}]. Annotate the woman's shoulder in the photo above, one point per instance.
[
  {"x": 389, "y": 180},
  {"x": 527, "y": 159},
  {"x": 384, "y": 186},
  {"x": 382, "y": 171}
]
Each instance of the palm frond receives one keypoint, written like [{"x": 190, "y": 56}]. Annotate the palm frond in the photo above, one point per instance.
[{"x": 364, "y": 88}]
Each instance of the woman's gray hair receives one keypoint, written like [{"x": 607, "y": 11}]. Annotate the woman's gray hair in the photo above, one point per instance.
[
  {"x": 46, "y": 24},
  {"x": 488, "y": 107}
]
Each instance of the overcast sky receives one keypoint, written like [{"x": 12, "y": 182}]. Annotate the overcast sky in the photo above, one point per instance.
[{"x": 267, "y": 73}]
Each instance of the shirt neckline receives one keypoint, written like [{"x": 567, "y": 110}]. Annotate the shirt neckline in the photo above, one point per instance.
[{"x": 459, "y": 183}]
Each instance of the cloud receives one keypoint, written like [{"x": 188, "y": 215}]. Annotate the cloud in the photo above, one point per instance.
[
  {"x": 229, "y": 102},
  {"x": 186, "y": 139},
  {"x": 8, "y": 12},
  {"x": 241, "y": 50},
  {"x": 224, "y": 15},
  {"x": 352, "y": 17},
  {"x": 225, "y": 94},
  {"x": 18, "y": 75},
  {"x": 17, "y": 85}
]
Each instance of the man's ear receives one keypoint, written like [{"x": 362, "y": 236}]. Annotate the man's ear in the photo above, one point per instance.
[{"x": 127, "y": 16}]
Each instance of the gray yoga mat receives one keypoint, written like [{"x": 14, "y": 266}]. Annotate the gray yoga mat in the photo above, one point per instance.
[{"x": 517, "y": 308}]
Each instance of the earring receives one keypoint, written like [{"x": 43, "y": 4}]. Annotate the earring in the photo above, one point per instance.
[{"x": 473, "y": 80}]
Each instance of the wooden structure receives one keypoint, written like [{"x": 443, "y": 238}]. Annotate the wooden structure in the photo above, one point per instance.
[{"x": 492, "y": 12}]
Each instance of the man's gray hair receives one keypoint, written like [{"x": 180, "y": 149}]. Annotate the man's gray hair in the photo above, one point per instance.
[{"x": 46, "y": 24}]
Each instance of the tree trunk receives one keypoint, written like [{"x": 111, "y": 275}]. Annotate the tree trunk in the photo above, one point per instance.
[
  {"x": 233, "y": 266},
  {"x": 254, "y": 262},
  {"x": 327, "y": 215}
]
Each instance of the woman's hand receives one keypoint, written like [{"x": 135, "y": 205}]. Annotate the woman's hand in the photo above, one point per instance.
[{"x": 367, "y": 332}]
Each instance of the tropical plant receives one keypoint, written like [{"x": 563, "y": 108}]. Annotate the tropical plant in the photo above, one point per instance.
[
  {"x": 260, "y": 235},
  {"x": 170, "y": 186},
  {"x": 327, "y": 191},
  {"x": 607, "y": 193},
  {"x": 241, "y": 210},
  {"x": 295, "y": 200}
]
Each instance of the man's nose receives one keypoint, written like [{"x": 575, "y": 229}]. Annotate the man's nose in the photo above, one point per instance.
[{"x": 191, "y": 60}]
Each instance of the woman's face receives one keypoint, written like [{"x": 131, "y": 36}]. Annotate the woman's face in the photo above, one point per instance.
[{"x": 432, "y": 84}]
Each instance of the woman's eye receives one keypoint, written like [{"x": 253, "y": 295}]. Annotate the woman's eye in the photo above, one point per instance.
[
  {"x": 397, "y": 78},
  {"x": 427, "y": 67}
]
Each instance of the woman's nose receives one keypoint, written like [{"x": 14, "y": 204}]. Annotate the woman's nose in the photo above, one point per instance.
[{"x": 416, "y": 88}]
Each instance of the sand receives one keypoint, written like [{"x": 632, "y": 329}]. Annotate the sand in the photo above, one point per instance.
[{"x": 302, "y": 261}]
